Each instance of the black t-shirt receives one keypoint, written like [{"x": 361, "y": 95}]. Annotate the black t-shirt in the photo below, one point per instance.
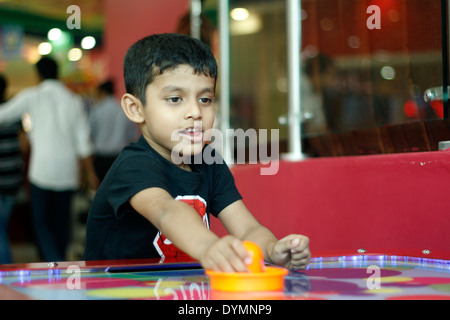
[{"x": 116, "y": 231}]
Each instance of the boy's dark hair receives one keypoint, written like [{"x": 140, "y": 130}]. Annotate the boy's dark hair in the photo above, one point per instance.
[
  {"x": 155, "y": 54},
  {"x": 47, "y": 68}
]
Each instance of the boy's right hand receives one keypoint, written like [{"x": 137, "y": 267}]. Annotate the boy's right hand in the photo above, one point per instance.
[{"x": 226, "y": 254}]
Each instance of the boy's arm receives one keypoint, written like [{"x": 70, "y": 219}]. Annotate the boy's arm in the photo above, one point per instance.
[
  {"x": 180, "y": 223},
  {"x": 290, "y": 252},
  {"x": 239, "y": 222}
]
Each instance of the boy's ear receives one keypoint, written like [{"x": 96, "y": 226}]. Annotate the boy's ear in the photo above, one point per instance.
[{"x": 132, "y": 107}]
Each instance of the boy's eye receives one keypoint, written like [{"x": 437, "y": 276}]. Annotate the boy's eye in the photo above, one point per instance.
[
  {"x": 174, "y": 99},
  {"x": 206, "y": 100}
]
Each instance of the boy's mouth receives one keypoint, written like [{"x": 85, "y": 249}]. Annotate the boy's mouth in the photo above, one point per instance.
[{"x": 195, "y": 134}]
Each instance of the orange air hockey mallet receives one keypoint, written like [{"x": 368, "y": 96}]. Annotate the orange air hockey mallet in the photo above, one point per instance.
[{"x": 260, "y": 277}]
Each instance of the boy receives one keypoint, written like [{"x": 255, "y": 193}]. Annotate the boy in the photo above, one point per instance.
[{"x": 149, "y": 197}]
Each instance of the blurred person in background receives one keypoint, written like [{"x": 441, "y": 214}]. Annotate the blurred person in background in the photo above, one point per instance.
[
  {"x": 11, "y": 175},
  {"x": 59, "y": 136},
  {"x": 111, "y": 130}
]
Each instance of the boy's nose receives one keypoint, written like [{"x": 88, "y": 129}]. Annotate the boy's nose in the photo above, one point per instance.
[{"x": 193, "y": 111}]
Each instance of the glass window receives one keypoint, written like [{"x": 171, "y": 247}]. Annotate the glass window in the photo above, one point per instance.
[{"x": 366, "y": 66}]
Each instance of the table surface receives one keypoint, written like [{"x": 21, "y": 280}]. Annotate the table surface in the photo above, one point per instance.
[{"x": 368, "y": 275}]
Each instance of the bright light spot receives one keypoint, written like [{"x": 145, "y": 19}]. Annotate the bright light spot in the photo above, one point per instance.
[
  {"x": 88, "y": 42},
  {"x": 74, "y": 54},
  {"x": 44, "y": 48},
  {"x": 326, "y": 24},
  {"x": 354, "y": 42},
  {"x": 27, "y": 123},
  {"x": 239, "y": 14},
  {"x": 310, "y": 51},
  {"x": 303, "y": 14},
  {"x": 282, "y": 84},
  {"x": 31, "y": 53},
  {"x": 388, "y": 73},
  {"x": 54, "y": 34},
  {"x": 248, "y": 26},
  {"x": 283, "y": 120}
]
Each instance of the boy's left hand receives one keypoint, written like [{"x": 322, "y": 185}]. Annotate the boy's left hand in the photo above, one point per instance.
[{"x": 291, "y": 252}]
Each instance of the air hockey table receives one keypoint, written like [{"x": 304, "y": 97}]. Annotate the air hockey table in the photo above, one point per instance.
[{"x": 351, "y": 275}]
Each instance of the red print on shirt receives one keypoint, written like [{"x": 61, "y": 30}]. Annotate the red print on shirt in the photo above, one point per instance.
[{"x": 163, "y": 245}]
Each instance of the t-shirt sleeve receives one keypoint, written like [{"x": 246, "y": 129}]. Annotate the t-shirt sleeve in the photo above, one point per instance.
[
  {"x": 131, "y": 176},
  {"x": 13, "y": 110},
  {"x": 223, "y": 189}
]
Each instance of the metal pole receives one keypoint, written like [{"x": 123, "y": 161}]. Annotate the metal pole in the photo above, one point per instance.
[
  {"x": 196, "y": 10},
  {"x": 294, "y": 98},
  {"x": 224, "y": 77}
]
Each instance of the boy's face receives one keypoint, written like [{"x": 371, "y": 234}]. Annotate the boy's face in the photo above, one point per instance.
[{"x": 178, "y": 112}]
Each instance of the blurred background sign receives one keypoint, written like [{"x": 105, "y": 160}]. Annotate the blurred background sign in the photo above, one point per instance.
[{"x": 11, "y": 41}]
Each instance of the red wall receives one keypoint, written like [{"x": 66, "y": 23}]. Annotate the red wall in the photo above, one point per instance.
[
  {"x": 398, "y": 201},
  {"x": 130, "y": 20}
]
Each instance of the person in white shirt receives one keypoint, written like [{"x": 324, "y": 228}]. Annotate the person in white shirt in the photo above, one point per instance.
[
  {"x": 59, "y": 136},
  {"x": 111, "y": 130}
]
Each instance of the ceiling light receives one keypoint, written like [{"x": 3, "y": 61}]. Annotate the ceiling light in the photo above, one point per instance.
[
  {"x": 88, "y": 42},
  {"x": 244, "y": 27},
  {"x": 239, "y": 14},
  {"x": 54, "y": 34},
  {"x": 74, "y": 54},
  {"x": 44, "y": 48}
]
